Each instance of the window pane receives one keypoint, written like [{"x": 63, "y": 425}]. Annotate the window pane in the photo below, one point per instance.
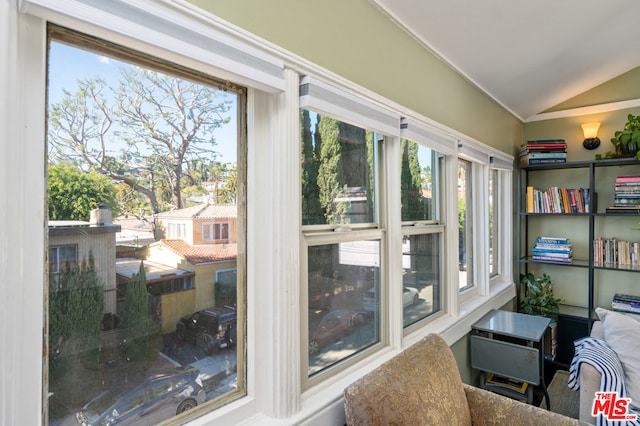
[
  {"x": 338, "y": 172},
  {"x": 419, "y": 182},
  {"x": 344, "y": 308},
  {"x": 465, "y": 224},
  {"x": 493, "y": 231},
  {"x": 136, "y": 156},
  {"x": 421, "y": 276}
]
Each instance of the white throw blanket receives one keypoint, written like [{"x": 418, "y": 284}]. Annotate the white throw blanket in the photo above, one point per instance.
[{"x": 598, "y": 353}]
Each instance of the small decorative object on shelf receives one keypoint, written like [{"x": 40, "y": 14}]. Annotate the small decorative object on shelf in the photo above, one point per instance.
[
  {"x": 551, "y": 249},
  {"x": 538, "y": 298},
  {"x": 543, "y": 151}
]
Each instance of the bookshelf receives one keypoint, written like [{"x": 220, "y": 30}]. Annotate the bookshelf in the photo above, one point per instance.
[{"x": 594, "y": 220}]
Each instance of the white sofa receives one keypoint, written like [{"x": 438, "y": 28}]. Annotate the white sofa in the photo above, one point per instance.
[{"x": 622, "y": 334}]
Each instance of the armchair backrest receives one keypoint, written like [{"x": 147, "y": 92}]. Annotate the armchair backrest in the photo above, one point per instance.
[{"x": 419, "y": 386}]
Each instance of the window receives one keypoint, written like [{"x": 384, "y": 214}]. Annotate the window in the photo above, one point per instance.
[
  {"x": 176, "y": 231},
  {"x": 420, "y": 182},
  {"x": 62, "y": 258},
  {"x": 215, "y": 231},
  {"x": 340, "y": 181},
  {"x": 465, "y": 224},
  {"x": 133, "y": 134},
  {"x": 493, "y": 231}
]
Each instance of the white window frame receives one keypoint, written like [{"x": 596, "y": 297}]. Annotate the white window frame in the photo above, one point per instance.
[
  {"x": 209, "y": 230},
  {"x": 503, "y": 221},
  {"x": 273, "y": 120}
]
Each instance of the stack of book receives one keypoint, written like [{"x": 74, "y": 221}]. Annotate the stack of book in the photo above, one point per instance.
[
  {"x": 543, "y": 151},
  {"x": 552, "y": 249},
  {"x": 627, "y": 195},
  {"x": 626, "y": 303},
  {"x": 496, "y": 382}
]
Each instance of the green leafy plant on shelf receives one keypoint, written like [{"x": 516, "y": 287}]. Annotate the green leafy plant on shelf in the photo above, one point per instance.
[
  {"x": 538, "y": 298},
  {"x": 626, "y": 142}
]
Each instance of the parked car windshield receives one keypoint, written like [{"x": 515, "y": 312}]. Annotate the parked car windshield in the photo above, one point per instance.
[{"x": 96, "y": 407}]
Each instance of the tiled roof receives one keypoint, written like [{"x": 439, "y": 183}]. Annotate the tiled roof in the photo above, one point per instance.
[
  {"x": 202, "y": 211},
  {"x": 203, "y": 253}
]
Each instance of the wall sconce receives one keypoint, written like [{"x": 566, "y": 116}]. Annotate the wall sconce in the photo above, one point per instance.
[{"x": 591, "y": 140}]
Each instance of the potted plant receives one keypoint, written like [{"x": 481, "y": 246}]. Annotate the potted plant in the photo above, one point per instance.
[
  {"x": 538, "y": 298},
  {"x": 626, "y": 142}
]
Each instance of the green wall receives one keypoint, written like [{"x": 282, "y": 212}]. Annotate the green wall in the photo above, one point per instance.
[{"x": 356, "y": 41}]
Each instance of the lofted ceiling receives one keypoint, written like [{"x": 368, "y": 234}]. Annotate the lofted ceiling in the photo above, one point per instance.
[{"x": 527, "y": 55}]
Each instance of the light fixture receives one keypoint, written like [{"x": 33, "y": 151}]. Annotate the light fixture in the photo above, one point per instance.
[{"x": 591, "y": 140}]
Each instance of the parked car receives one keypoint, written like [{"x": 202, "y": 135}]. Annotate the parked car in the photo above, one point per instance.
[
  {"x": 163, "y": 395},
  {"x": 336, "y": 325},
  {"x": 209, "y": 329},
  {"x": 410, "y": 296}
]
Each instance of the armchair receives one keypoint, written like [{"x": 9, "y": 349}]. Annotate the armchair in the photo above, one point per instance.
[{"x": 422, "y": 386}]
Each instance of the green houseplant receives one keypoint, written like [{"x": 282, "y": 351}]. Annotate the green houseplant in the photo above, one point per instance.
[
  {"x": 538, "y": 298},
  {"x": 626, "y": 142}
]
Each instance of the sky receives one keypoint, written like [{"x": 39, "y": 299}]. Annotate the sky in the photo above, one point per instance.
[{"x": 68, "y": 65}]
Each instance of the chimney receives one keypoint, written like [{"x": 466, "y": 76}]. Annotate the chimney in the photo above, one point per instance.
[{"x": 100, "y": 215}]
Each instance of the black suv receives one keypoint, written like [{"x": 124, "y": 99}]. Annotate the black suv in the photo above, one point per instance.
[{"x": 210, "y": 329}]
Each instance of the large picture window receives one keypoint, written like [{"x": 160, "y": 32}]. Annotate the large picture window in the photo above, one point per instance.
[{"x": 139, "y": 327}]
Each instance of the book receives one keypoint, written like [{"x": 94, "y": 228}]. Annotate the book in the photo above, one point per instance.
[
  {"x": 551, "y": 252},
  {"x": 525, "y": 161},
  {"x": 507, "y": 383},
  {"x": 540, "y": 258},
  {"x": 628, "y": 179}
]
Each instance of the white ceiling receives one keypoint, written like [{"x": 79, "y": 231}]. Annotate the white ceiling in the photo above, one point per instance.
[{"x": 527, "y": 55}]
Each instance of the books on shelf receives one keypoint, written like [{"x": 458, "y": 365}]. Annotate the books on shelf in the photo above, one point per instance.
[
  {"x": 558, "y": 200},
  {"x": 626, "y": 303},
  {"x": 543, "y": 151},
  {"x": 612, "y": 252},
  {"x": 506, "y": 383},
  {"x": 552, "y": 249},
  {"x": 626, "y": 197}
]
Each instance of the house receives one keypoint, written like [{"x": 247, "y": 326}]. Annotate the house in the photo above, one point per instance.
[
  {"x": 212, "y": 269},
  {"x": 77, "y": 241},
  {"x": 360, "y": 65},
  {"x": 200, "y": 224}
]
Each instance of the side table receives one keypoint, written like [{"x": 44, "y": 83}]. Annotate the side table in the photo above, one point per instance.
[{"x": 510, "y": 344}]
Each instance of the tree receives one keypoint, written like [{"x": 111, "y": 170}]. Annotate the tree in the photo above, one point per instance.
[
  {"x": 141, "y": 132},
  {"x": 73, "y": 193},
  {"x": 76, "y": 307},
  {"x": 136, "y": 317},
  {"x": 410, "y": 183},
  {"x": 331, "y": 180},
  {"x": 312, "y": 211}
]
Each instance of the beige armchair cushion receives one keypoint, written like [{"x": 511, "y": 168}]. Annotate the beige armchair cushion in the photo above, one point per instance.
[
  {"x": 419, "y": 386},
  {"x": 422, "y": 386}
]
